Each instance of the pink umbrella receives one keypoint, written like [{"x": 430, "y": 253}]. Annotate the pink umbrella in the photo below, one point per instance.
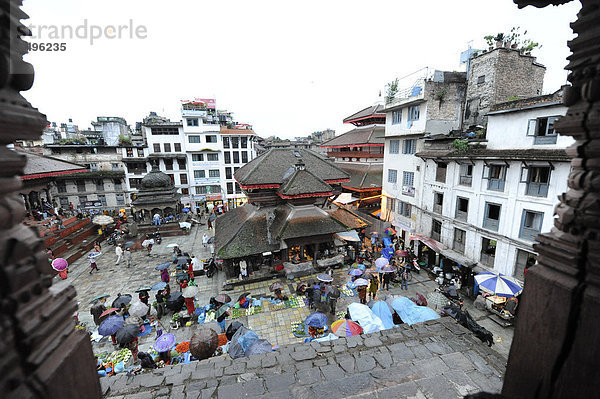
[{"x": 59, "y": 264}]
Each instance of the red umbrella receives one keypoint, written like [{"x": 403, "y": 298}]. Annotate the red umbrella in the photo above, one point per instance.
[
  {"x": 345, "y": 328},
  {"x": 108, "y": 311}
]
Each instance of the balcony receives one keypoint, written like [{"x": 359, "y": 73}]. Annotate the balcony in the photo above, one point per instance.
[
  {"x": 436, "y": 235},
  {"x": 460, "y": 215},
  {"x": 491, "y": 224},
  {"x": 354, "y": 154},
  {"x": 465, "y": 181},
  {"x": 459, "y": 247},
  {"x": 545, "y": 139},
  {"x": 496, "y": 184},
  {"x": 437, "y": 208},
  {"x": 488, "y": 259},
  {"x": 529, "y": 234},
  {"x": 137, "y": 171},
  {"x": 537, "y": 189}
]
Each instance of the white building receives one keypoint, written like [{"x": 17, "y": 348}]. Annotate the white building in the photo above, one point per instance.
[
  {"x": 486, "y": 204},
  {"x": 239, "y": 148},
  {"x": 112, "y": 129}
]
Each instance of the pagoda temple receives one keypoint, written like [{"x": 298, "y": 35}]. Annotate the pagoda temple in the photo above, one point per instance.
[{"x": 157, "y": 194}]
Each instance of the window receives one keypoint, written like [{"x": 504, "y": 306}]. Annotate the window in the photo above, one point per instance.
[
  {"x": 396, "y": 117},
  {"x": 230, "y": 188},
  {"x": 201, "y": 190},
  {"x": 211, "y": 138},
  {"x": 524, "y": 261},
  {"x": 168, "y": 164},
  {"x": 115, "y": 166},
  {"x": 64, "y": 202},
  {"x": 162, "y": 131},
  {"x": 199, "y": 174},
  {"x": 129, "y": 152},
  {"x": 135, "y": 182},
  {"x": 409, "y": 146},
  {"x": 392, "y": 175},
  {"x": 156, "y": 147},
  {"x": 181, "y": 162},
  {"x": 213, "y": 173},
  {"x": 120, "y": 199},
  {"x": 459, "y": 240},
  {"x": 225, "y": 142},
  {"x": 408, "y": 179},
  {"x": 537, "y": 179},
  {"x": 140, "y": 152},
  {"x": 185, "y": 191},
  {"x": 438, "y": 202},
  {"x": 481, "y": 79},
  {"x": 183, "y": 178},
  {"x": 542, "y": 129},
  {"x": 244, "y": 156},
  {"x": 172, "y": 176},
  {"x": 394, "y": 146},
  {"x": 236, "y": 157},
  {"x": 531, "y": 225},
  {"x": 404, "y": 209},
  {"x": 80, "y": 186},
  {"x": 436, "y": 230},
  {"x": 167, "y": 147},
  {"x": 465, "y": 175},
  {"x": 390, "y": 204},
  {"x": 102, "y": 199},
  {"x": 491, "y": 219},
  {"x": 462, "y": 208},
  {"x": 413, "y": 114},
  {"x": 177, "y": 147},
  {"x": 100, "y": 185},
  {"x": 228, "y": 174},
  {"x": 94, "y": 167},
  {"x": 440, "y": 172},
  {"x": 194, "y": 139},
  {"x": 214, "y": 189},
  {"x": 61, "y": 186},
  {"x": 198, "y": 157},
  {"x": 235, "y": 142},
  {"x": 117, "y": 184},
  {"x": 227, "y": 156},
  {"x": 238, "y": 189},
  {"x": 192, "y": 121},
  {"x": 488, "y": 252},
  {"x": 496, "y": 175},
  {"x": 212, "y": 157},
  {"x": 244, "y": 142},
  {"x": 82, "y": 200}
]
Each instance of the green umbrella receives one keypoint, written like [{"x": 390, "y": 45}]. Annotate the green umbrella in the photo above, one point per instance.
[{"x": 221, "y": 310}]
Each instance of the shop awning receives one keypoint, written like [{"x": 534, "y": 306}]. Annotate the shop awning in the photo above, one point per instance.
[
  {"x": 350, "y": 235},
  {"x": 377, "y": 213},
  {"x": 458, "y": 258},
  {"x": 430, "y": 242},
  {"x": 346, "y": 198}
]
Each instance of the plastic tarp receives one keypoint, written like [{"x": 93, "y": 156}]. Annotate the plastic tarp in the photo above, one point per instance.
[
  {"x": 259, "y": 346},
  {"x": 411, "y": 313},
  {"x": 241, "y": 341},
  {"x": 350, "y": 235},
  {"x": 328, "y": 337},
  {"x": 365, "y": 317},
  {"x": 382, "y": 310}
]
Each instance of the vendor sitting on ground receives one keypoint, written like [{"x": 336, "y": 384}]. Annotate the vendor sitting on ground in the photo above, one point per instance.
[
  {"x": 279, "y": 295},
  {"x": 244, "y": 303}
]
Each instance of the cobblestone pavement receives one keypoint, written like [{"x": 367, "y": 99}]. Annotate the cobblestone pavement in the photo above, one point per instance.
[{"x": 273, "y": 325}]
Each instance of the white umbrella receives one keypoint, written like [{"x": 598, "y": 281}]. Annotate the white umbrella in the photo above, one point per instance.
[
  {"x": 138, "y": 309},
  {"x": 361, "y": 281},
  {"x": 94, "y": 255},
  {"x": 103, "y": 220},
  {"x": 185, "y": 225},
  {"x": 172, "y": 245},
  {"x": 190, "y": 292},
  {"x": 381, "y": 262},
  {"x": 498, "y": 284}
]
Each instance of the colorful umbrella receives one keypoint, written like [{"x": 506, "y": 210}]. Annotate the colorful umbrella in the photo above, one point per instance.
[
  {"x": 158, "y": 286},
  {"x": 164, "y": 343},
  {"x": 99, "y": 297},
  {"x": 326, "y": 278},
  {"x": 389, "y": 231},
  {"x": 355, "y": 272},
  {"x": 110, "y": 325},
  {"x": 371, "y": 271},
  {"x": 162, "y": 266},
  {"x": 223, "y": 298},
  {"x": 138, "y": 309},
  {"x": 380, "y": 262},
  {"x": 190, "y": 291},
  {"x": 360, "y": 282},
  {"x": 127, "y": 333},
  {"x": 318, "y": 320},
  {"x": 244, "y": 295},
  {"x": 121, "y": 300},
  {"x": 276, "y": 286},
  {"x": 498, "y": 284},
  {"x": 387, "y": 269},
  {"x": 103, "y": 220},
  {"x": 108, "y": 311},
  {"x": 346, "y": 328},
  {"x": 172, "y": 245},
  {"x": 59, "y": 264},
  {"x": 401, "y": 252}
]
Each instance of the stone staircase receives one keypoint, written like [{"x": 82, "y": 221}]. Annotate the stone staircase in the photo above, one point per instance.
[{"x": 72, "y": 242}]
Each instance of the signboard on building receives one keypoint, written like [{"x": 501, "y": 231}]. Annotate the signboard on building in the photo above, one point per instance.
[
  {"x": 214, "y": 197},
  {"x": 92, "y": 204},
  {"x": 210, "y": 103}
]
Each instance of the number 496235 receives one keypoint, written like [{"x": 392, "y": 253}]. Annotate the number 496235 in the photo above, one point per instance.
[{"x": 47, "y": 46}]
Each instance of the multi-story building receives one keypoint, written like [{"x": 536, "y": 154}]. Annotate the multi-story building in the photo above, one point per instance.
[
  {"x": 112, "y": 128},
  {"x": 430, "y": 106},
  {"x": 239, "y": 148},
  {"x": 485, "y": 204}
]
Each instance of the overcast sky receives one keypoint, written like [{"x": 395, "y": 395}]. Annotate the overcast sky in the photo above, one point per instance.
[{"x": 287, "y": 68}]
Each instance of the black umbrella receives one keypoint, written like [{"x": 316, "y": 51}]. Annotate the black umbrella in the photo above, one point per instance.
[
  {"x": 182, "y": 260},
  {"x": 223, "y": 298},
  {"x": 244, "y": 295},
  {"x": 127, "y": 333},
  {"x": 121, "y": 300},
  {"x": 211, "y": 240},
  {"x": 175, "y": 301}
]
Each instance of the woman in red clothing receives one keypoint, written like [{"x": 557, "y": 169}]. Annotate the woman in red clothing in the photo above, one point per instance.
[{"x": 189, "y": 303}]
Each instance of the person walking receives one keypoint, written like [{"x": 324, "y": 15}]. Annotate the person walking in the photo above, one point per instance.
[
  {"x": 93, "y": 264},
  {"x": 127, "y": 257},
  {"x": 362, "y": 294},
  {"x": 386, "y": 281},
  {"x": 164, "y": 276},
  {"x": 204, "y": 240},
  {"x": 404, "y": 279},
  {"x": 373, "y": 287},
  {"x": 333, "y": 294},
  {"x": 97, "y": 246},
  {"x": 119, "y": 253}
]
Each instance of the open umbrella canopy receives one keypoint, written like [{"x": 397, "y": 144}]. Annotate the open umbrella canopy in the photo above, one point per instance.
[
  {"x": 59, "y": 264},
  {"x": 164, "y": 343},
  {"x": 108, "y": 311},
  {"x": 381, "y": 262},
  {"x": 121, "y": 300},
  {"x": 190, "y": 291},
  {"x": 138, "y": 309},
  {"x": 110, "y": 325},
  {"x": 355, "y": 272},
  {"x": 221, "y": 310},
  {"x": 401, "y": 252},
  {"x": 370, "y": 271},
  {"x": 103, "y": 220},
  {"x": 203, "y": 343},
  {"x": 326, "y": 278},
  {"x": 389, "y": 231},
  {"x": 244, "y": 295},
  {"x": 361, "y": 282},
  {"x": 172, "y": 245},
  {"x": 143, "y": 288},
  {"x": 498, "y": 284},
  {"x": 185, "y": 225},
  {"x": 387, "y": 269},
  {"x": 185, "y": 210},
  {"x": 318, "y": 320},
  {"x": 175, "y": 301},
  {"x": 211, "y": 240},
  {"x": 387, "y": 253},
  {"x": 94, "y": 299},
  {"x": 182, "y": 260},
  {"x": 223, "y": 298},
  {"x": 127, "y": 333},
  {"x": 345, "y": 328},
  {"x": 437, "y": 300},
  {"x": 277, "y": 285},
  {"x": 163, "y": 266},
  {"x": 128, "y": 244},
  {"x": 158, "y": 286},
  {"x": 94, "y": 255}
]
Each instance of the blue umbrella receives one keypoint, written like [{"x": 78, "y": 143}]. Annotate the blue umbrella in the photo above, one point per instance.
[
  {"x": 94, "y": 255},
  {"x": 355, "y": 272},
  {"x": 99, "y": 297},
  {"x": 182, "y": 260},
  {"x": 318, "y": 320},
  {"x": 158, "y": 286},
  {"x": 111, "y": 325},
  {"x": 498, "y": 284},
  {"x": 163, "y": 266},
  {"x": 387, "y": 253},
  {"x": 186, "y": 209}
]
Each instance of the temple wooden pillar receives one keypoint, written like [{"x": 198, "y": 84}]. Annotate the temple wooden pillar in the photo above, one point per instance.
[
  {"x": 43, "y": 355},
  {"x": 555, "y": 348}
]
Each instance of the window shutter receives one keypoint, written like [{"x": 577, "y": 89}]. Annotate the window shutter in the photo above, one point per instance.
[
  {"x": 531, "y": 127},
  {"x": 485, "y": 174},
  {"x": 524, "y": 174}
]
